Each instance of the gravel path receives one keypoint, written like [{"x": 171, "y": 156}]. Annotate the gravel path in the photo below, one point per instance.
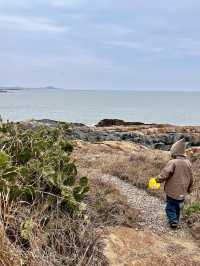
[
  {"x": 152, "y": 208},
  {"x": 179, "y": 242}
]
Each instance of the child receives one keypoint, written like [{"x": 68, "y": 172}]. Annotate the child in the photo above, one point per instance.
[{"x": 178, "y": 179}]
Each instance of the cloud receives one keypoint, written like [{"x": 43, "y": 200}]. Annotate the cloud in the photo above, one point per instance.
[
  {"x": 22, "y": 23},
  {"x": 113, "y": 29},
  {"x": 66, "y": 3},
  {"x": 126, "y": 44},
  {"x": 28, "y": 4},
  {"x": 105, "y": 39}
]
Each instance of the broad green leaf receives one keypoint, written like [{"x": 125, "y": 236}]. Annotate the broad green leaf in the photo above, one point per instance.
[
  {"x": 24, "y": 171},
  {"x": 83, "y": 181},
  {"x": 10, "y": 174},
  {"x": 69, "y": 181},
  {"x": 4, "y": 159},
  {"x": 25, "y": 155}
]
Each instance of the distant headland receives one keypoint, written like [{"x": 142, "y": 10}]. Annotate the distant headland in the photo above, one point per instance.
[{"x": 4, "y": 89}]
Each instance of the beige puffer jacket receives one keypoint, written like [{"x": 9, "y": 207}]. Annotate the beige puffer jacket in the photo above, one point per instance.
[{"x": 177, "y": 174}]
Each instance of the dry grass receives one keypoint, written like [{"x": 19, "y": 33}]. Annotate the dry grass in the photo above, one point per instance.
[
  {"x": 136, "y": 169},
  {"x": 109, "y": 208},
  {"x": 9, "y": 254},
  {"x": 194, "y": 199},
  {"x": 56, "y": 239},
  {"x": 196, "y": 173},
  {"x": 77, "y": 240},
  {"x": 130, "y": 162},
  {"x": 66, "y": 241}
]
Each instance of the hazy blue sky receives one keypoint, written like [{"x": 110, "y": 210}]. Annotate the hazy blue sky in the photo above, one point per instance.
[{"x": 100, "y": 44}]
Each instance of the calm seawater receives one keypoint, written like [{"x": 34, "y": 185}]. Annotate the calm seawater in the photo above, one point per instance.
[{"x": 181, "y": 108}]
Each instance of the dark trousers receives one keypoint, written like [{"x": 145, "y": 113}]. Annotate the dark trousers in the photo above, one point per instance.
[{"x": 173, "y": 209}]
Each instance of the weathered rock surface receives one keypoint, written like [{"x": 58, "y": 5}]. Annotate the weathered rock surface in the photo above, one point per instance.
[
  {"x": 119, "y": 122},
  {"x": 151, "y": 135}
]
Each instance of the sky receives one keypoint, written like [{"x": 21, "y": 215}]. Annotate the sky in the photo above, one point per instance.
[{"x": 100, "y": 44}]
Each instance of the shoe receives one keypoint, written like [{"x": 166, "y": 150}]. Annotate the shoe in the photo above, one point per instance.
[{"x": 173, "y": 225}]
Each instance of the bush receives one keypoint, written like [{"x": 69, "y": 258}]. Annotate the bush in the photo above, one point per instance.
[
  {"x": 192, "y": 209},
  {"x": 36, "y": 162},
  {"x": 42, "y": 198},
  {"x": 65, "y": 240}
]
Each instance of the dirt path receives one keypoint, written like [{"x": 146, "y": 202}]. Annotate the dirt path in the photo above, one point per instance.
[
  {"x": 155, "y": 244},
  {"x": 152, "y": 209}
]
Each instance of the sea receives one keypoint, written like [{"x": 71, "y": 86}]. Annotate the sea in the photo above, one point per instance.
[{"x": 90, "y": 106}]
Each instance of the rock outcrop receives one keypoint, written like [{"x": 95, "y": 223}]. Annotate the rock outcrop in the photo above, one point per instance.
[
  {"x": 157, "y": 136},
  {"x": 153, "y": 137},
  {"x": 119, "y": 122}
]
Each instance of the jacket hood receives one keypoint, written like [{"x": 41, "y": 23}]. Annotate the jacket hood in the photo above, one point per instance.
[{"x": 178, "y": 148}]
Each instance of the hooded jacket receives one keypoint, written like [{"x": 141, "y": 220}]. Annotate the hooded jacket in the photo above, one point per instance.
[{"x": 177, "y": 174}]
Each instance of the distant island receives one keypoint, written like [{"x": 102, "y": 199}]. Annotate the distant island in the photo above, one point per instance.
[
  {"x": 11, "y": 89},
  {"x": 3, "y": 91}
]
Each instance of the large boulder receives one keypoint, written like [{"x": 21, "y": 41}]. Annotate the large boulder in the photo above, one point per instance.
[{"x": 116, "y": 122}]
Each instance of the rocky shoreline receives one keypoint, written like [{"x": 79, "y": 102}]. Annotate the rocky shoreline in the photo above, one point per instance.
[
  {"x": 156, "y": 136},
  {"x": 156, "y": 140}
]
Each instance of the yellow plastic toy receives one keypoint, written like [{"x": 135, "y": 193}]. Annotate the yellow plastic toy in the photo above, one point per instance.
[{"x": 153, "y": 184}]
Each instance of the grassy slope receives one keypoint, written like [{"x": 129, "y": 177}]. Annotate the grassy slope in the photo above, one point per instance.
[
  {"x": 77, "y": 241},
  {"x": 136, "y": 164}
]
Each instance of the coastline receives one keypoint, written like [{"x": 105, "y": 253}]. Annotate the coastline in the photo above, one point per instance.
[
  {"x": 156, "y": 136},
  {"x": 89, "y": 107}
]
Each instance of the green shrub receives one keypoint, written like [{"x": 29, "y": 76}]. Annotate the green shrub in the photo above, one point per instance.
[
  {"x": 41, "y": 199},
  {"x": 36, "y": 162},
  {"x": 193, "y": 208}
]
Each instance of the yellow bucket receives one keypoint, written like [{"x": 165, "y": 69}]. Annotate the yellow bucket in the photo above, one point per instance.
[{"x": 153, "y": 184}]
